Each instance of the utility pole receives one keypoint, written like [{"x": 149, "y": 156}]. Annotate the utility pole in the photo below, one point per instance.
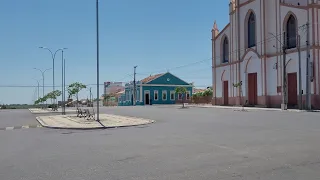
[
  {"x": 134, "y": 85},
  {"x": 308, "y": 70},
  {"x": 90, "y": 98},
  {"x": 284, "y": 74},
  {"x": 300, "y": 79}
]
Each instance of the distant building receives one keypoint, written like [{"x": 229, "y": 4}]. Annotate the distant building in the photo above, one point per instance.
[
  {"x": 113, "y": 87},
  {"x": 156, "y": 89}
]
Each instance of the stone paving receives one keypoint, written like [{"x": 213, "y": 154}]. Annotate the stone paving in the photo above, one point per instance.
[{"x": 74, "y": 122}]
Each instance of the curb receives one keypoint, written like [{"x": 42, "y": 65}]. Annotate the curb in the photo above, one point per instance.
[
  {"x": 51, "y": 112},
  {"x": 253, "y": 109},
  {"x": 43, "y": 124},
  {"x": 19, "y": 127}
]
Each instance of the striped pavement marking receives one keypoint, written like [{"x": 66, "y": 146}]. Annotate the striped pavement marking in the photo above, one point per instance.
[{"x": 19, "y": 127}]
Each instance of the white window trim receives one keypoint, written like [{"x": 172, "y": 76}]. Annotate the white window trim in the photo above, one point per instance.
[
  {"x": 179, "y": 96},
  {"x": 154, "y": 95},
  {"x": 188, "y": 92},
  {"x": 164, "y": 92},
  {"x": 174, "y": 95}
]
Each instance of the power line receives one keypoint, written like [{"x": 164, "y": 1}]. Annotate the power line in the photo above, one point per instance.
[{"x": 219, "y": 57}]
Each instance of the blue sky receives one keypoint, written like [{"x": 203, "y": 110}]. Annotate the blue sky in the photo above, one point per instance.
[{"x": 154, "y": 35}]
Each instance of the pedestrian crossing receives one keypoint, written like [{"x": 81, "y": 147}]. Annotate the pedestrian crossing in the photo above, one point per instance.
[{"x": 19, "y": 127}]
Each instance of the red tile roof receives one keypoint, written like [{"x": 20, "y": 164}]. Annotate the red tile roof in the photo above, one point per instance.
[
  {"x": 150, "y": 78},
  {"x": 198, "y": 90}
]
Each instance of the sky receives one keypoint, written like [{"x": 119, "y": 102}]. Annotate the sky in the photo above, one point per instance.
[{"x": 156, "y": 36}]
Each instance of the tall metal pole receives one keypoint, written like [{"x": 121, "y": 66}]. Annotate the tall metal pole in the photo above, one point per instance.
[
  {"x": 284, "y": 74},
  {"x": 42, "y": 73},
  {"x": 300, "y": 79},
  {"x": 238, "y": 49},
  {"x": 42, "y": 87},
  {"x": 62, "y": 93},
  {"x": 97, "y": 22},
  {"x": 38, "y": 88},
  {"x": 42, "y": 84},
  {"x": 134, "y": 86},
  {"x": 64, "y": 86},
  {"x": 308, "y": 70},
  {"x": 90, "y": 97},
  {"x": 53, "y": 55}
]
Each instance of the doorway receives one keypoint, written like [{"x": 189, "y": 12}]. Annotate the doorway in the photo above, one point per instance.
[
  {"x": 252, "y": 89},
  {"x": 292, "y": 89},
  {"x": 225, "y": 93},
  {"x": 132, "y": 99},
  {"x": 147, "y": 98}
]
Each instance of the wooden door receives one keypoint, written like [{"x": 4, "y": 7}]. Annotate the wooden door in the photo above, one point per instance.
[
  {"x": 252, "y": 89},
  {"x": 225, "y": 93},
  {"x": 292, "y": 89}
]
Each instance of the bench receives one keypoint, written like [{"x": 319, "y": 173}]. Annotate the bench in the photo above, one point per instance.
[
  {"x": 88, "y": 114},
  {"x": 80, "y": 113},
  {"x": 54, "y": 108}
]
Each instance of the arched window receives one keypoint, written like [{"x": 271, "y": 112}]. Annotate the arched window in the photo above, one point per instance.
[
  {"x": 251, "y": 31},
  {"x": 225, "y": 52},
  {"x": 291, "y": 32}
]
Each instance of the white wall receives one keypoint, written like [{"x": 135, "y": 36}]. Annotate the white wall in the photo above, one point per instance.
[
  {"x": 272, "y": 75},
  {"x": 225, "y": 77},
  {"x": 218, "y": 45},
  {"x": 254, "y": 66},
  {"x": 295, "y": 2},
  {"x": 275, "y": 16},
  {"x": 255, "y": 6}
]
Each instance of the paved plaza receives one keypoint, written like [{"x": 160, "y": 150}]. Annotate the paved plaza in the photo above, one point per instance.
[{"x": 193, "y": 143}]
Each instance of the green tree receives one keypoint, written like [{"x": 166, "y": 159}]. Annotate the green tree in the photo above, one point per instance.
[
  {"x": 74, "y": 89},
  {"x": 106, "y": 98},
  {"x": 207, "y": 92},
  {"x": 41, "y": 100},
  {"x": 182, "y": 91},
  {"x": 53, "y": 96},
  {"x": 239, "y": 85}
]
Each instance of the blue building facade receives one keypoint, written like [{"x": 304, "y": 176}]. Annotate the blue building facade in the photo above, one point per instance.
[{"x": 156, "y": 89}]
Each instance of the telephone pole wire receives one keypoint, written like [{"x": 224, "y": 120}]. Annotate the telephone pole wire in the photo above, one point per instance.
[
  {"x": 284, "y": 74},
  {"x": 134, "y": 85}
]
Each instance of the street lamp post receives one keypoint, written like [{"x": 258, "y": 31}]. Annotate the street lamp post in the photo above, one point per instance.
[
  {"x": 38, "y": 87},
  {"x": 53, "y": 56},
  {"x": 97, "y": 23},
  {"x": 64, "y": 87},
  {"x": 62, "y": 82},
  {"x": 42, "y": 73}
]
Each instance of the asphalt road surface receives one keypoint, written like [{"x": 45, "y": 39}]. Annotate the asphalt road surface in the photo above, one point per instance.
[{"x": 184, "y": 144}]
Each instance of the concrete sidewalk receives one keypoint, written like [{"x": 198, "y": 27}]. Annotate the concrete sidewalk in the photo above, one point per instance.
[
  {"x": 48, "y": 110},
  {"x": 246, "y": 108},
  {"x": 106, "y": 121}
]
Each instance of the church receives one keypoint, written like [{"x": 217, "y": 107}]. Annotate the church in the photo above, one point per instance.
[{"x": 248, "y": 64}]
